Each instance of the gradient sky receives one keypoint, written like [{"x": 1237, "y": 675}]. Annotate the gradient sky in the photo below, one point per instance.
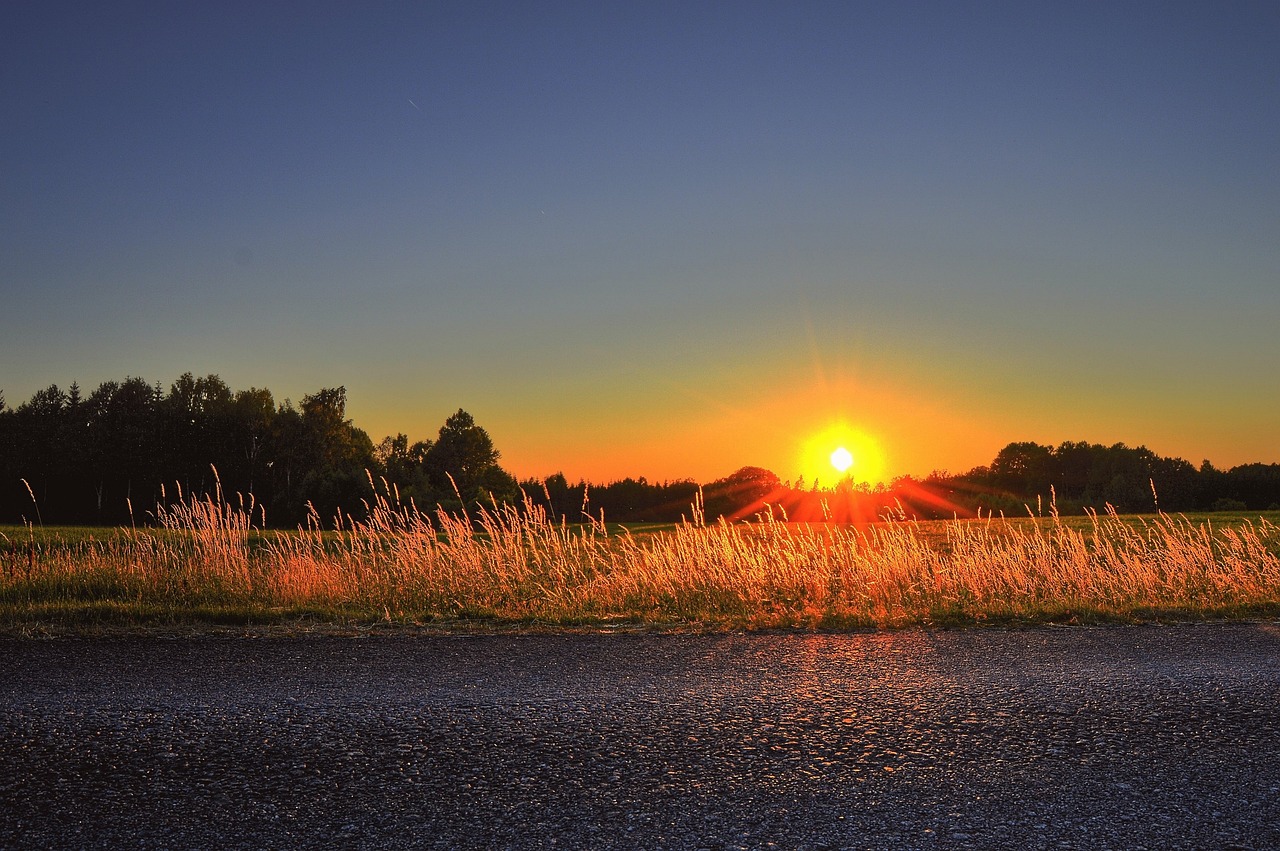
[{"x": 661, "y": 240}]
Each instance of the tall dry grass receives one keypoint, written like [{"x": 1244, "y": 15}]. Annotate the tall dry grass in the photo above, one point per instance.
[{"x": 204, "y": 559}]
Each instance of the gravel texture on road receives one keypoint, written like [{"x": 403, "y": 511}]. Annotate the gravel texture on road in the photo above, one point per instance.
[{"x": 1139, "y": 737}]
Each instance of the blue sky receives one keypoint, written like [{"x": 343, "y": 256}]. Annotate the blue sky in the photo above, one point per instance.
[{"x": 661, "y": 239}]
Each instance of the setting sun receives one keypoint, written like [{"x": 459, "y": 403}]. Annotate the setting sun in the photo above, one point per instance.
[{"x": 846, "y": 452}]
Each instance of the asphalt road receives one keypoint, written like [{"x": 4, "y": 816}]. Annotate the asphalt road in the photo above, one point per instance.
[{"x": 1151, "y": 737}]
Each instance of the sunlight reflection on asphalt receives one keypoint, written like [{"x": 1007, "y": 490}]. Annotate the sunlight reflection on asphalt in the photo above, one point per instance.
[{"x": 1121, "y": 737}]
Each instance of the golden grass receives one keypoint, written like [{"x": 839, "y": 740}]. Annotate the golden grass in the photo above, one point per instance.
[{"x": 205, "y": 561}]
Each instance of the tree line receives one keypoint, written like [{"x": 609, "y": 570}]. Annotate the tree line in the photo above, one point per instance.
[{"x": 112, "y": 456}]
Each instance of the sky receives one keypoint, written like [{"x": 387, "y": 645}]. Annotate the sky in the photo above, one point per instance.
[{"x": 663, "y": 239}]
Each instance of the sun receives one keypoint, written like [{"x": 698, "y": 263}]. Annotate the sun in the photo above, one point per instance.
[{"x": 841, "y": 452}]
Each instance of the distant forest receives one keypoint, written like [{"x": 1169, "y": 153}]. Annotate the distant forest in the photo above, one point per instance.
[{"x": 113, "y": 456}]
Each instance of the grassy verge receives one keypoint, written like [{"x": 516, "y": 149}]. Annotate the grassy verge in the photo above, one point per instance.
[{"x": 205, "y": 567}]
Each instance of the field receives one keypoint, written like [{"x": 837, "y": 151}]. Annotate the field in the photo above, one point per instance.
[{"x": 203, "y": 564}]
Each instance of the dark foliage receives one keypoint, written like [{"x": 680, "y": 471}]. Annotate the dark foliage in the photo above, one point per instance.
[{"x": 111, "y": 458}]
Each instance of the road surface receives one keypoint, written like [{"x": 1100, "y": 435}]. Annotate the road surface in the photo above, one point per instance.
[{"x": 1137, "y": 737}]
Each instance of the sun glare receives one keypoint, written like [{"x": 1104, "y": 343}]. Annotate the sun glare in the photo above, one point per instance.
[{"x": 841, "y": 452}]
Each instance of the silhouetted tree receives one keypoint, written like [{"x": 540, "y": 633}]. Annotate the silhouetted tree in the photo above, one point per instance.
[
  {"x": 463, "y": 457},
  {"x": 336, "y": 455},
  {"x": 252, "y": 413},
  {"x": 197, "y": 425},
  {"x": 1025, "y": 468},
  {"x": 36, "y": 425},
  {"x": 1213, "y": 484},
  {"x": 124, "y": 457},
  {"x": 743, "y": 492},
  {"x": 1256, "y": 485},
  {"x": 562, "y": 500},
  {"x": 404, "y": 465}
]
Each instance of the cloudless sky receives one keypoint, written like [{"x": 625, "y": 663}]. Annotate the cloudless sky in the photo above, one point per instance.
[{"x": 661, "y": 239}]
